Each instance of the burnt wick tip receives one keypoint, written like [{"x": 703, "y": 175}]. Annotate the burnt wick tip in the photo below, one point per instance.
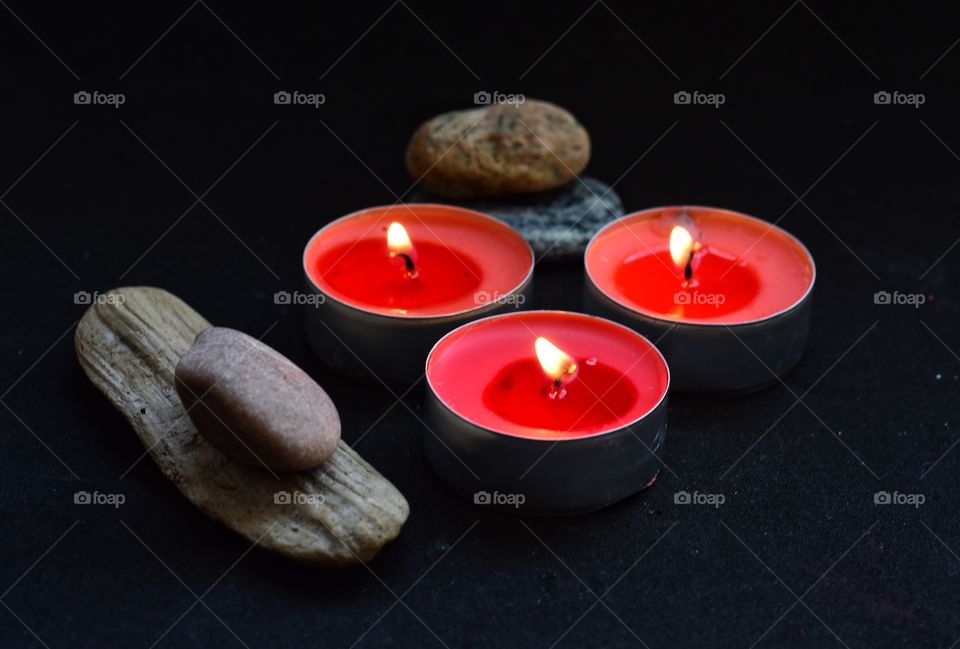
[{"x": 407, "y": 261}]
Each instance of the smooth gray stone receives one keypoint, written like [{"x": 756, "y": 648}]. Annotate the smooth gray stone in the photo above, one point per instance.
[{"x": 557, "y": 223}]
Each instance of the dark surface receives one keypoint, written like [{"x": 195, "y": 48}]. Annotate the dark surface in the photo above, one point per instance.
[{"x": 799, "y": 518}]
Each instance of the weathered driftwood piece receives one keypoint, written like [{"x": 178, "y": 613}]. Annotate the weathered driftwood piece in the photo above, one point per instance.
[{"x": 341, "y": 512}]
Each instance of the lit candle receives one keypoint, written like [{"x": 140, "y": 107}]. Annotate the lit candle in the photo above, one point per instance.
[
  {"x": 725, "y": 296},
  {"x": 546, "y": 411},
  {"x": 390, "y": 281}
]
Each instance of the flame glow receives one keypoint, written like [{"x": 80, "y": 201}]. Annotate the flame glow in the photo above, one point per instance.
[
  {"x": 681, "y": 245},
  {"x": 555, "y": 363},
  {"x": 398, "y": 241}
]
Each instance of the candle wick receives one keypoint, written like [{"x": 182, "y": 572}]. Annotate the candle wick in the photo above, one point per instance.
[
  {"x": 407, "y": 261},
  {"x": 688, "y": 269},
  {"x": 557, "y": 383}
]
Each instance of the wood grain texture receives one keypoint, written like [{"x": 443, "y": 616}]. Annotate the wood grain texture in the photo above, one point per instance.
[{"x": 129, "y": 344}]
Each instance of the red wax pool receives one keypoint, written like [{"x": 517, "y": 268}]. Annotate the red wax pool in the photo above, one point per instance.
[
  {"x": 488, "y": 373},
  {"x": 736, "y": 268},
  {"x": 448, "y": 260}
]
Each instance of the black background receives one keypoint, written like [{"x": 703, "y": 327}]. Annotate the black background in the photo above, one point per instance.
[{"x": 103, "y": 208}]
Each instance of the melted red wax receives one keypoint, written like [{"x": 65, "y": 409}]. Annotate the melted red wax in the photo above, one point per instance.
[{"x": 599, "y": 396}]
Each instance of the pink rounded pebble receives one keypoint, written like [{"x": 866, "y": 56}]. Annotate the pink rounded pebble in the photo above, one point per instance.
[{"x": 254, "y": 405}]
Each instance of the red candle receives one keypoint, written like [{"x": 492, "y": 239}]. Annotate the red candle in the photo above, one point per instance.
[
  {"x": 546, "y": 411},
  {"x": 742, "y": 269},
  {"x": 547, "y": 374},
  {"x": 417, "y": 261},
  {"x": 388, "y": 282},
  {"x": 724, "y": 295}
]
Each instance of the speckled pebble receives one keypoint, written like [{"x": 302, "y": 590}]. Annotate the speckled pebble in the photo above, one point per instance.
[{"x": 558, "y": 223}]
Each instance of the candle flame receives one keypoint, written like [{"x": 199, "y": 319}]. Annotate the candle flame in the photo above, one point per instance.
[
  {"x": 681, "y": 245},
  {"x": 556, "y": 364},
  {"x": 398, "y": 241}
]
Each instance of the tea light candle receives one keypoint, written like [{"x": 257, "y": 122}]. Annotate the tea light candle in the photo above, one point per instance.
[
  {"x": 390, "y": 281},
  {"x": 546, "y": 411},
  {"x": 724, "y": 295}
]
